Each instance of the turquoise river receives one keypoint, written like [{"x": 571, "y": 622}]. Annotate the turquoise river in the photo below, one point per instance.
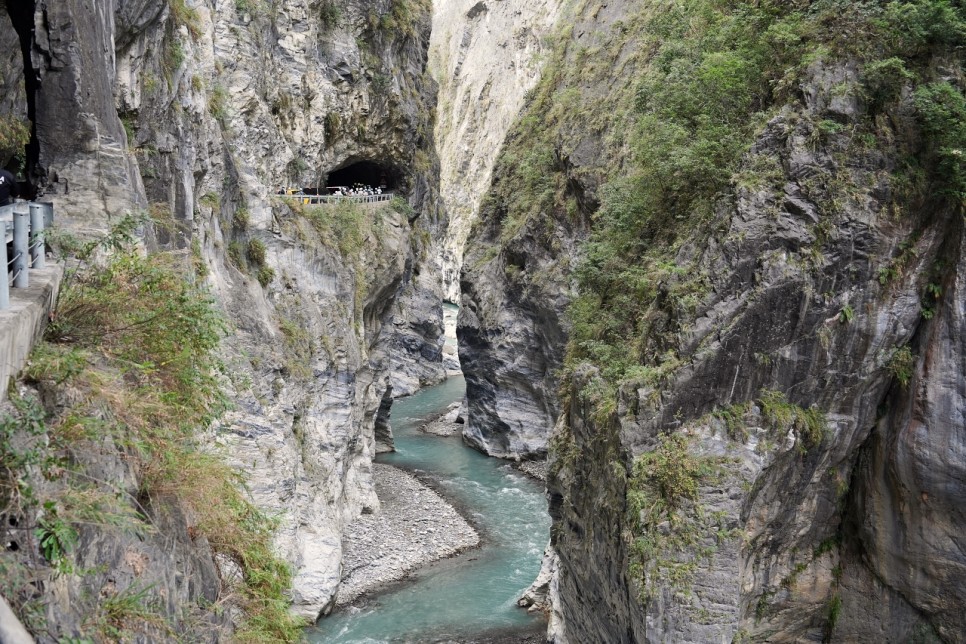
[{"x": 471, "y": 597}]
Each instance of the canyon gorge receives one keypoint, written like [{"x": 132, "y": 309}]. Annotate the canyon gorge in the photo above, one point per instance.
[{"x": 707, "y": 257}]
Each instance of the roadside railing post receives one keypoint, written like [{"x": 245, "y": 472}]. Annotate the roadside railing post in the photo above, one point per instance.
[
  {"x": 48, "y": 214},
  {"x": 5, "y": 282},
  {"x": 37, "y": 244},
  {"x": 21, "y": 225}
]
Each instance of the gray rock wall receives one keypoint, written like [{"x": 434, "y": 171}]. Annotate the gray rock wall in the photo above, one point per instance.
[
  {"x": 516, "y": 274},
  {"x": 817, "y": 526},
  {"x": 485, "y": 57},
  {"x": 197, "y": 112},
  {"x": 822, "y": 280},
  {"x": 79, "y": 152},
  {"x": 823, "y": 543}
]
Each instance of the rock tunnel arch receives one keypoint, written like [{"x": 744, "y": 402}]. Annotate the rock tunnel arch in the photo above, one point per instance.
[
  {"x": 367, "y": 173},
  {"x": 18, "y": 87}
]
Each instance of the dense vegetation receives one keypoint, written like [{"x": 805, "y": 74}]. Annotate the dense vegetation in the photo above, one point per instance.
[
  {"x": 719, "y": 71},
  {"x": 131, "y": 356},
  {"x": 671, "y": 101}
]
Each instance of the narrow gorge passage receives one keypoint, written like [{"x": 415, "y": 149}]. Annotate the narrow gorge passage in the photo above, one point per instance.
[{"x": 466, "y": 597}]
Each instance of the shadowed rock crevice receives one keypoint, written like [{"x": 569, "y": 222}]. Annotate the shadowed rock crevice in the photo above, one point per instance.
[
  {"x": 382, "y": 428},
  {"x": 21, "y": 16},
  {"x": 367, "y": 173}
]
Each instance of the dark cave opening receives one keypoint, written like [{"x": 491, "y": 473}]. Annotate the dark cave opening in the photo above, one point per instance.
[
  {"x": 366, "y": 173},
  {"x": 22, "y": 21}
]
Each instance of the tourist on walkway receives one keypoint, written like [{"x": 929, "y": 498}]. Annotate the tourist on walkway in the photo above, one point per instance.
[{"x": 8, "y": 187}]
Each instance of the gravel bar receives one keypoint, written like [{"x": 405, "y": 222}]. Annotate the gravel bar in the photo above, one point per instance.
[
  {"x": 414, "y": 527},
  {"x": 446, "y": 424},
  {"x": 536, "y": 469}
]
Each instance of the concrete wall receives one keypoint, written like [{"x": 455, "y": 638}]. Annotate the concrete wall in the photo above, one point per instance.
[
  {"x": 11, "y": 630},
  {"x": 23, "y": 323}
]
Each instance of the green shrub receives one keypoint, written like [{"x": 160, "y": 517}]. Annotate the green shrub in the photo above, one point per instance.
[
  {"x": 672, "y": 532},
  {"x": 902, "y": 365},
  {"x": 402, "y": 20},
  {"x": 333, "y": 127},
  {"x": 136, "y": 340},
  {"x": 256, "y": 252},
  {"x": 265, "y": 275},
  {"x": 210, "y": 200},
  {"x": 241, "y": 218},
  {"x": 218, "y": 103},
  {"x": 715, "y": 73},
  {"x": 14, "y": 136},
  {"x": 299, "y": 347},
  {"x": 834, "y": 612},
  {"x": 185, "y": 16},
  {"x": 343, "y": 225},
  {"x": 330, "y": 13},
  {"x": 245, "y": 6},
  {"x": 122, "y": 614},
  {"x": 174, "y": 56},
  {"x": 402, "y": 206},
  {"x": 236, "y": 254},
  {"x": 942, "y": 112},
  {"x": 884, "y": 79},
  {"x": 810, "y": 425},
  {"x": 921, "y": 25}
]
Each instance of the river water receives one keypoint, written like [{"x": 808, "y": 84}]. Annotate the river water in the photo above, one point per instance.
[{"x": 467, "y": 597}]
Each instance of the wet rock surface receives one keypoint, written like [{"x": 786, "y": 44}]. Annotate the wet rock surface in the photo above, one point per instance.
[
  {"x": 446, "y": 424},
  {"x": 535, "y": 469},
  {"x": 414, "y": 526}
]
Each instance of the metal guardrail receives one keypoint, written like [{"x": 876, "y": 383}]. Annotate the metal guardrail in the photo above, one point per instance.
[
  {"x": 314, "y": 200},
  {"x": 23, "y": 226}
]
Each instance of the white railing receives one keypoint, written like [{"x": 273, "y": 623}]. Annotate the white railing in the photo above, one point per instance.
[
  {"x": 314, "y": 200},
  {"x": 23, "y": 227}
]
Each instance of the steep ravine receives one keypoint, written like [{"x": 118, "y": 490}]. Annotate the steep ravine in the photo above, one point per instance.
[
  {"x": 759, "y": 430},
  {"x": 485, "y": 57},
  {"x": 197, "y": 113},
  {"x": 516, "y": 277},
  {"x": 716, "y": 276}
]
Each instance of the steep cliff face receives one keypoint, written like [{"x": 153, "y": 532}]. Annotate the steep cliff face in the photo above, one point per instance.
[
  {"x": 760, "y": 407},
  {"x": 781, "y": 558},
  {"x": 198, "y": 112},
  {"x": 485, "y": 57},
  {"x": 516, "y": 274}
]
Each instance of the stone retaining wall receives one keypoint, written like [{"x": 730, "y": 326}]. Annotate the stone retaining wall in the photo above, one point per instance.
[{"x": 23, "y": 323}]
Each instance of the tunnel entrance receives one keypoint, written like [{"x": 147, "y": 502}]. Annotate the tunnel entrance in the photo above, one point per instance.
[
  {"x": 18, "y": 87},
  {"x": 365, "y": 173}
]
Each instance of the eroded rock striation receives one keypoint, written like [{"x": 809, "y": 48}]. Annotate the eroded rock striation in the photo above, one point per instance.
[
  {"x": 516, "y": 274},
  {"x": 485, "y": 57},
  {"x": 760, "y": 407},
  {"x": 199, "y": 113}
]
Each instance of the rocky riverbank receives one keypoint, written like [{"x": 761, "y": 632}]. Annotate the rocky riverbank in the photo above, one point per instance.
[
  {"x": 415, "y": 526},
  {"x": 450, "y": 424},
  {"x": 445, "y": 425},
  {"x": 536, "y": 469}
]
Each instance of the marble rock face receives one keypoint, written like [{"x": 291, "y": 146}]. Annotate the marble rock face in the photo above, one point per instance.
[
  {"x": 198, "y": 112},
  {"x": 853, "y": 534}
]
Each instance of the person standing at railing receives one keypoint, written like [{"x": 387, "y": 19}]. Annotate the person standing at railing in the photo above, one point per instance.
[{"x": 8, "y": 187}]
